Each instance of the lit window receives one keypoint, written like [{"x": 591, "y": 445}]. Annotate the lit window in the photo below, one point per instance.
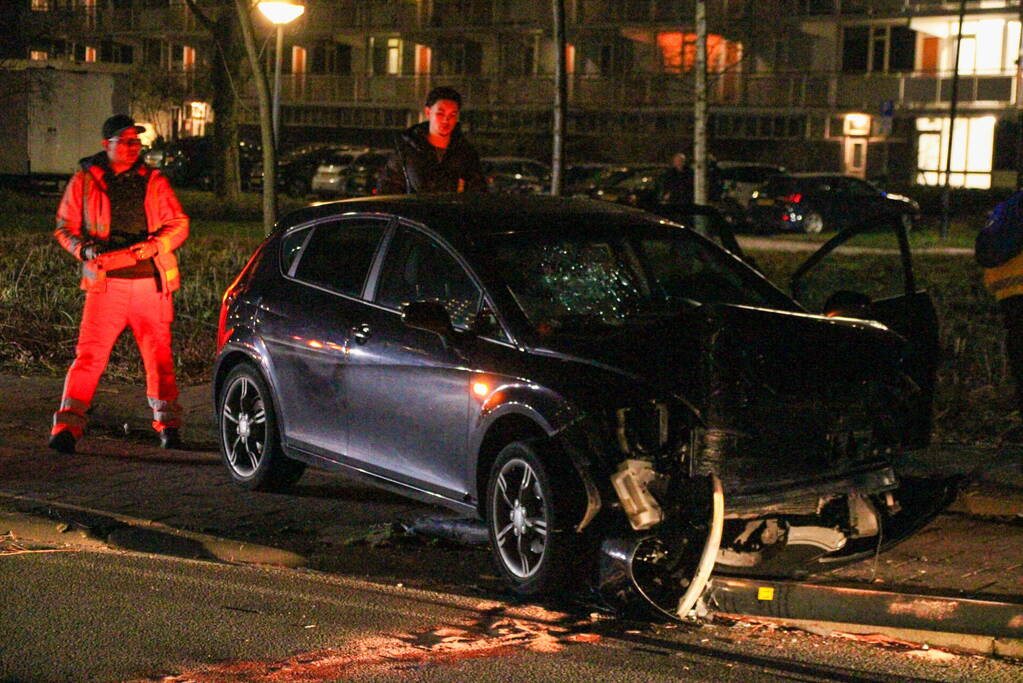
[
  {"x": 187, "y": 58},
  {"x": 40, "y": 5},
  {"x": 90, "y": 54},
  {"x": 38, "y": 55},
  {"x": 393, "y": 55},
  {"x": 298, "y": 60},
  {"x": 972, "y": 151}
]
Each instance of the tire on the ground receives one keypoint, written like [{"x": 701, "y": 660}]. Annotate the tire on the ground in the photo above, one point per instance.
[
  {"x": 565, "y": 553},
  {"x": 258, "y": 462}
]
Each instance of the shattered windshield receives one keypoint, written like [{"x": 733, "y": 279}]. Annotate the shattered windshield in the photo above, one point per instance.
[{"x": 589, "y": 281}]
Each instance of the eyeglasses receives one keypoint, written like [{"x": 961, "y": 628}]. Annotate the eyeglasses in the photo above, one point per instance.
[{"x": 129, "y": 142}]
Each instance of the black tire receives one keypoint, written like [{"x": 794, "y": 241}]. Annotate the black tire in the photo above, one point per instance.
[
  {"x": 535, "y": 509},
  {"x": 250, "y": 444}
]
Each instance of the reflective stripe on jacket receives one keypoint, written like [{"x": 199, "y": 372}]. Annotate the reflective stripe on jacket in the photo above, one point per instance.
[
  {"x": 78, "y": 221},
  {"x": 1005, "y": 280}
]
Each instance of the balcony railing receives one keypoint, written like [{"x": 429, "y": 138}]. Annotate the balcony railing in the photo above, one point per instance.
[{"x": 863, "y": 92}]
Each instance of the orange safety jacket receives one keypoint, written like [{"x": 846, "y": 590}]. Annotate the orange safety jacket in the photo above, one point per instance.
[
  {"x": 1005, "y": 280},
  {"x": 81, "y": 220}
]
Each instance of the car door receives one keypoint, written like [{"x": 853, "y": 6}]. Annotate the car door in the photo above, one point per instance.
[
  {"x": 900, "y": 304},
  {"x": 409, "y": 389},
  {"x": 305, "y": 326}
]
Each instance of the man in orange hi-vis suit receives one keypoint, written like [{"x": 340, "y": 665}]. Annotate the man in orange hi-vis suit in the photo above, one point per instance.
[{"x": 122, "y": 220}]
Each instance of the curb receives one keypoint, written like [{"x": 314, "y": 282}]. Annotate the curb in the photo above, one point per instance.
[{"x": 75, "y": 526}]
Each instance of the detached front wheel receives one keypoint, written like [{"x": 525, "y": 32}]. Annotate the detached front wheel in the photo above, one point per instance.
[
  {"x": 528, "y": 520},
  {"x": 249, "y": 441}
]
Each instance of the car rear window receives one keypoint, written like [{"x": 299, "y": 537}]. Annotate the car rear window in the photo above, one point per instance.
[{"x": 339, "y": 254}]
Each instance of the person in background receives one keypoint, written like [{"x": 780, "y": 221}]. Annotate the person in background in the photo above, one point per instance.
[
  {"x": 434, "y": 156},
  {"x": 676, "y": 185},
  {"x": 122, "y": 220}
]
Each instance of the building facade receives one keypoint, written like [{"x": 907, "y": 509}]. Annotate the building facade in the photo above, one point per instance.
[{"x": 860, "y": 86}]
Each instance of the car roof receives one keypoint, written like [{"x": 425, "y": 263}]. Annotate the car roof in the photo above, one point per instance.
[{"x": 464, "y": 215}]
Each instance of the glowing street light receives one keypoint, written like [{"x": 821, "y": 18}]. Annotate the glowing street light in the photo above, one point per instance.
[{"x": 279, "y": 12}]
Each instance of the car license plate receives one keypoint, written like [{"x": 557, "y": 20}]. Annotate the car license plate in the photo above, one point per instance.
[{"x": 765, "y": 202}]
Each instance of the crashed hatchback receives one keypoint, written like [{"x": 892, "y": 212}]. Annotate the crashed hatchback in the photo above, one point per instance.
[{"x": 613, "y": 394}]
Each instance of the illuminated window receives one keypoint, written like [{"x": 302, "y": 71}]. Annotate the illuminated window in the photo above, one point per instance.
[
  {"x": 677, "y": 52},
  {"x": 40, "y": 5},
  {"x": 972, "y": 151},
  {"x": 90, "y": 54},
  {"x": 187, "y": 58},
  {"x": 298, "y": 60},
  {"x": 38, "y": 55}
]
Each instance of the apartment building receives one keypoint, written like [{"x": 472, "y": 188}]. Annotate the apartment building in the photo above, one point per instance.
[{"x": 860, "y": 86}]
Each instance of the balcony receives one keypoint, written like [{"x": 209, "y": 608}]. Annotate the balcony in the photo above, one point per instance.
[{"x": 660, "y": 91}]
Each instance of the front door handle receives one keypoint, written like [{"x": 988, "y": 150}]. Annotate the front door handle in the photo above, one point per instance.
[{"x": 362, "y": 333}]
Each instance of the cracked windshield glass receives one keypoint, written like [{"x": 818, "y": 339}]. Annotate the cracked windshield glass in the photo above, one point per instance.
[{"x": 584, "y": 282}]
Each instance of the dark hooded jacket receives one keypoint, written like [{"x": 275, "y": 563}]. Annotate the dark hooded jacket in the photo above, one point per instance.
[{"x": 414, "y": 168}]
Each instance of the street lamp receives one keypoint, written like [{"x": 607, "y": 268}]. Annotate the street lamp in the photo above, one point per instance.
[{"x": 279, "y": 12}]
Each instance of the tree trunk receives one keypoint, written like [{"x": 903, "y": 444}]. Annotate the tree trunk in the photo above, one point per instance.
[
  {"x": 265, "y": 124},
  {"x": 226, "y": 63}
]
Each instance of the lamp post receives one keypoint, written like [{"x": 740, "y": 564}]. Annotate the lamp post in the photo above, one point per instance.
[{"x": 279, "y": 12}]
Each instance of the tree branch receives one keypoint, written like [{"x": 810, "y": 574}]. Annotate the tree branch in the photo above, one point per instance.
[{"x": 200, "y": 15}]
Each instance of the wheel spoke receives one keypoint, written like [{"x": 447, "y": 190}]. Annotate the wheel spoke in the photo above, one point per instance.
[
  {"x": 504, "y": 532},
  {"x": 229, "y": 414},
  {"x": 538, "y": 525},
  {"x": 232, "y": 455},
  {"x": 260, "y": 417},
  {"x": 527, "y": 479},
  {"x": 522, "y": 557},
  {"x": 502, "y": 486}
]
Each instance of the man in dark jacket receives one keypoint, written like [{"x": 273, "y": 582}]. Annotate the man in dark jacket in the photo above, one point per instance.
[
  {"x": 434, "y": 156},
  {"x": 676, "y": 185}
]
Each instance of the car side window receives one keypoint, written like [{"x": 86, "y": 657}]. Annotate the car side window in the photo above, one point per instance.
[
  {"x": 416, "y": 268},
  {"x": 339, "y": 254},
  {"x": 291, "y": 247}
]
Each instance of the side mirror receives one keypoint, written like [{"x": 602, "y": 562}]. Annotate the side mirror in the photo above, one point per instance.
[{"x": 428, "y": 315}]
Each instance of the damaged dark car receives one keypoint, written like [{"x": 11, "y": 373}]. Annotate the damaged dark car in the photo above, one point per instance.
[{"x": 613, "y": 394}]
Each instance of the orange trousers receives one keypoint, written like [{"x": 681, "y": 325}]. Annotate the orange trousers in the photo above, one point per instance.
[{"x": 125, "y": 303}]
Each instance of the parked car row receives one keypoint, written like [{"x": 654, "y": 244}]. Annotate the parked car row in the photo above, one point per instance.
[{"x": 757, "y": 197}]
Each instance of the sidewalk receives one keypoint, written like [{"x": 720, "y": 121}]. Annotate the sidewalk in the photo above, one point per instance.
[{"x": 119, "y": 471}]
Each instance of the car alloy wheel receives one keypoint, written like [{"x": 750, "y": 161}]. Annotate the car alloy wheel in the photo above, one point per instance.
[
  {"x": 519, "y": 515},
  {"x": 813, "y": 223},
  {"x": 243, "y": 426},
  {"x": 249, "y": 442},
  {"x": 533, "y": 500}
]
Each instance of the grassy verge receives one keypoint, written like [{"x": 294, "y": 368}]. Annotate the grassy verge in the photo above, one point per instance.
[{"x": 40, "y": 304}]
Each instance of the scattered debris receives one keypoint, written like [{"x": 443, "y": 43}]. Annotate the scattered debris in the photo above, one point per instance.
[
  {"x": 496, "y": 631},
  {"x": 10, "y": 546}
]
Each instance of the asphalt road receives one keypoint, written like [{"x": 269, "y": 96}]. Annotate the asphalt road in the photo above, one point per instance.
[{"x": 81, "y": 615}]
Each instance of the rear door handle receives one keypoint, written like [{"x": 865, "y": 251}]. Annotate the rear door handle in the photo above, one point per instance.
[{"x": 362, "y": 333}]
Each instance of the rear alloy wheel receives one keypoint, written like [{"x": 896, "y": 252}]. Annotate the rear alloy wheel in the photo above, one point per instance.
[
  {"x": 813, "y": 223},
  {"x": 531, "y": 538},
  {"x": 249, "y": 441}
]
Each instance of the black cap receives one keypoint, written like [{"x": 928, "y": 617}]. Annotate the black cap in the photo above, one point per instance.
[{"x": 113, "y": 126}]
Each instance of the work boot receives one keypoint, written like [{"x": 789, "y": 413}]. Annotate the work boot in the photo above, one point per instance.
[
  {"x": 63, "y": 442},
  {"x": 170, "y": 438}
]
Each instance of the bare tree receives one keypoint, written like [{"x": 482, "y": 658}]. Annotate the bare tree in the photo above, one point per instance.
[{"x": 227, "y": 76}]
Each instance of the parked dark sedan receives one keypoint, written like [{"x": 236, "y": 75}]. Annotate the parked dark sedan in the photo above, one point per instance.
[
  {"x": 584, "y": 377},
  {"x": 815, "y": 202}
]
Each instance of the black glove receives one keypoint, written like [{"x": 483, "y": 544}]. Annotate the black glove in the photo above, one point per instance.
[{"x": 90, "y": 249}]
